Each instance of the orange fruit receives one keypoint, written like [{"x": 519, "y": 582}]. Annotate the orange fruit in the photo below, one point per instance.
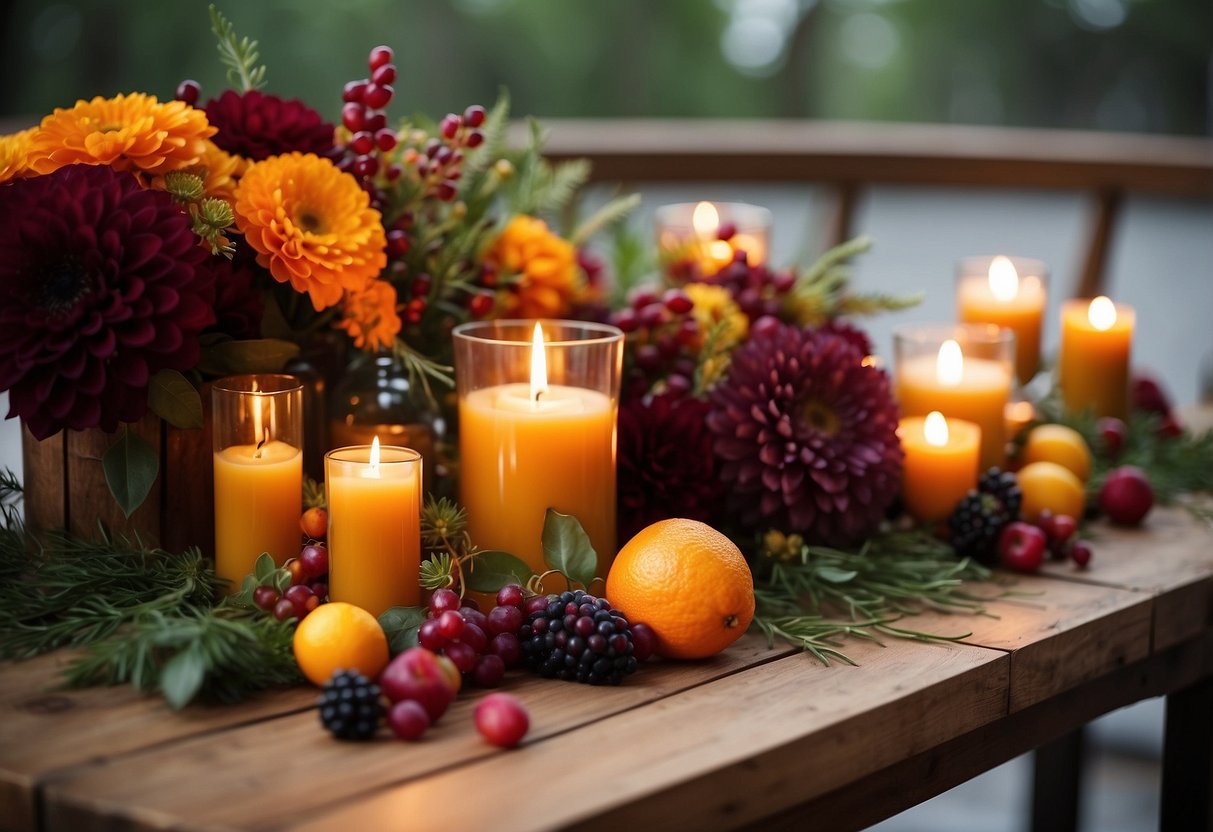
[
  {"x": 1060, "y": 444},
  {"x": 686, "y": 581},
  {"x": 1052, "y": 486},
  {"x": 339, "y": 636}
]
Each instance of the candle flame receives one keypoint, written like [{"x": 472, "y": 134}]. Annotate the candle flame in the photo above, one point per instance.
[
  {"x": 259, "y": 437},
  {"x": 1102, "y": 313},
  {"x": 705, "y": 219},
  {"x": 1004, "y": 280},
  {"x": 949, "y": 366},
  {"x": 374, "y": 469},
  {"x": 720, "y": 250},
  {"x": 539, "y": 366},
  {"x": 935, "y": 429}
]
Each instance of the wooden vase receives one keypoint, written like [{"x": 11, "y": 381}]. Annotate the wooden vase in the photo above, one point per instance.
[{"x": 65, "y": 485}]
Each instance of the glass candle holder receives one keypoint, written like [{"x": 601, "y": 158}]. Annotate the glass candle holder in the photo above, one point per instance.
[
  {"x": 1093, "y": 366},
  {"x": 258, "y": 460},
  {"x": 537, "y": 408},
  {"x": 965, "y": 371},
  {"x": 1011, "y": 292},
  {"x": 374, "y": 537},
  {"x": 706, "y": 236}
]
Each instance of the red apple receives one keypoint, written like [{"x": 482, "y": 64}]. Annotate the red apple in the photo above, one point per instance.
[
  {"x": 1022, "y": 546},
  {"x": 416, "y": 674},
  {"x": 1126, "y": 496},
  {"x": 1149, "y": 396}
]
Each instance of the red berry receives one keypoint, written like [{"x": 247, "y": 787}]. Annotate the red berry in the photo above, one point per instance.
[
  {"x": 284, "y": 609},
  {"x": 430, "y": 635},
  {"x": 504, "y": 620},
  {"x": 354, "y": 90},
  {"x": 1126, "y": 496},
  {"x": 474, "y": 116},
  {"x": 644, "y": 641},
  {"x": 393, "y": 172},
  {"x": 642, "y": 298},
  {"x": 445, "y": 191},
  {"x": 537, "y": 604},
  {"x": 1114, "y": 432},
  {"x": 1022, "y": 546},
  {"x": 1062, "y": 528},
  {"x": 474, "y": 139},
  {"x": 501, "y": 720},
  {"x": 362, "y": 143},
  {"x": 451, "y": 624},
  {"x": 480, "y": 305},
  {"x": 377, "y": 96},
  {"x": 462, "y": 655},
  {"x": 408, "y": 720},
  {"x": 353, "y": 116},
  {"x": 765, "y": 325},
  {"x": 320, "y": 589},
  {"x": 1080, "y": 552},
  {"x": 365, "y": 166},
  {"x": 490, "y": 670},
  {"x": 266, "y": 597},
  {"x": 397, "y": 243},
  {"x": 385, "y": 74},
  {"x": 443, "y": 600},
  {"x": 379, "y": 56},
  {"x": 654, "y": 315},
  {"x": 314, "y": 560},
  {"x": 726, "y": 231},
  {"x": 296, "y": 569},
  {"x": 386, "y": 139},
  {"x": 189, "y": 91},
  {"x": 626, "y": 320},
  {"x": 298, "y": 594},
  {"x": 508, "y": 647},
  {"x": 448, "y": 127},
  {"x": 1169, "y": 427},
  {"x": 677, "y": 301},
  {"x": 376, "y": 122},
  {"x": 510, "y": 595}
]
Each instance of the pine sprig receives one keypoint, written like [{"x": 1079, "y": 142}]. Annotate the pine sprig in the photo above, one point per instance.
[
  {"x": 238, "y": 54},
  {"x": 822, "y": 291},
  {"x": 819, "y": 596}
]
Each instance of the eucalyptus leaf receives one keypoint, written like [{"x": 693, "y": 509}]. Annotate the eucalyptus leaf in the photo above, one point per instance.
[
  {"x": 171, "y": 396},
  {"x": 492, "y": 570},
  {"x": 567, "y": 548},
  {"x": 400, "y": 625},
  {"x": 181, "y": 678},
  {"x": 263, "y": 355},
  {"x": 264, "y": 567},
  {"x": 834, "y": 575},
  {"x": 130, "y": 466}
]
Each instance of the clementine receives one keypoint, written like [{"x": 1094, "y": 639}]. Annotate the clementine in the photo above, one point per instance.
[
  {"x": 339, "y": 636},
  {"x": 686, "y": 581}
]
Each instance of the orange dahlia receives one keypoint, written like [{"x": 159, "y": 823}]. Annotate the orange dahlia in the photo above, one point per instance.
[
  {"x": 370, "y": 315},
  {"x": 311, "y": 225},
  {"x": 128, "y": 132},
  {"x": 545, "y": 265},
  {"x": 14, "y": 154},
  {"x": 222, "y": 171}
]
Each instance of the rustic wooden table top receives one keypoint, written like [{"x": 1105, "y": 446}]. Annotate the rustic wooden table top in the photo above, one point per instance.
[{"x": 758, "y": 735}]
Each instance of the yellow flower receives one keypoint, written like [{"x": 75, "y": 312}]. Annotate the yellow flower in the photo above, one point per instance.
[
  {"x": 713, "y": 304},
  {"x": 133, "y": 132},
  {"x": 545, "y": 265},
  {"x": 14, "y": 154},
  {"x": 370, "y": 315},
  {"x": 222, "y": 171},
  {"x": 311, "y": 225}
]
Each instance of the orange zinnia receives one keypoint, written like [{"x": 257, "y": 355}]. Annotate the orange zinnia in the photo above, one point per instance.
[
  {"x": 545, "y": 265},
  {"x": 133, "y": 132},
  {"x": 370, "y": 315},
  {"x": 311, "y": 225},
  {"x": 14, "y": 154}
]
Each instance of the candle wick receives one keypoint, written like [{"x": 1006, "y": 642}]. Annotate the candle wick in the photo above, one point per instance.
[
  {"x": 260, "y": 445},
  {"x": 538, "y": 393}
]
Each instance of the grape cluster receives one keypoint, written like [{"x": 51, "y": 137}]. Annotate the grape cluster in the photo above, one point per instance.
[
  {"x": 481, "y": 646},
  {"x": 979, "y": 518},
  {"x": 366, "y": 152},
  {"x": 665, "y": 338},
  {"x": 578, "y": 637},
  {"x": 309, "y": 574},
  {"x": 757, "y": 291}
]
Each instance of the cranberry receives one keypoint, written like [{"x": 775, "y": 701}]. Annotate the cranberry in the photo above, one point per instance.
[
  {"x": 189, "y": 91},
  {"x": 354, "y": 91},
  {"x": 377, "y": 96},
  {"x": 1080, "y": 552},
  {"x": 474, "y": 116},
  {"x": 1126, "y": 496},
  {"x": 385, "y": 74},
  {"x": 1022, "y": 546},
  {"x": 1114, "y": 432},
  {"x": 380, "y": 56}
]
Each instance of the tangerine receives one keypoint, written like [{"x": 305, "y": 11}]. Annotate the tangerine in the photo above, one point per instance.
[
  {"x": 688, "y": 582},
  {"x": 339, "y": 636}
]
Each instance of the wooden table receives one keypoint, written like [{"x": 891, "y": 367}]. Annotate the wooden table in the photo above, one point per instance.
[{"x": 758, "y": 736}]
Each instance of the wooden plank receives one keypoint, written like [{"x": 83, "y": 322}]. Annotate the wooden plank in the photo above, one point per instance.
[
  {"x": 1059, "y": 633},
  {"x": 45, "y": 728},
  {"x": 1091, "y": 279},
  {"x": 89, "y": 497},
  {"x": 715, "y": 756},
  {"x": 1169, "y": 557},
  {"x": 222, "y": 780},
  {"x": 43, "y": 465}
]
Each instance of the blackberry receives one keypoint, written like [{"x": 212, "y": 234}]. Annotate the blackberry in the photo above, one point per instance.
[
  {"x": 579, "y": 638},
  {"x": 982, "y": 514},
  {"x": 350, "y": 707}
]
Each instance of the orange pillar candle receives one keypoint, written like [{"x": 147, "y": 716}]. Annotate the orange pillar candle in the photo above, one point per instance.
[
  {"x": 527, "y": 446},
  {"x": 257, "y": 437},
  {"x": 956, "y": 382},
  {"x": 1093, "y": 369},
  {"x": 1010, "y": 293},
  {"x": 709, "y": 234},
  {"x": 374, "y": 501},
  {"x": 940, "y": 463}
]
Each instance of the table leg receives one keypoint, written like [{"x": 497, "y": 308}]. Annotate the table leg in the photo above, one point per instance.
[
  {"x": 1187, "y": 764},
  {"x": 1057, "y": 783}
]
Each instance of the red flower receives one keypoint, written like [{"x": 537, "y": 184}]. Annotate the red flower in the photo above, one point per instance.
[
  {"x": 101, "y": 286},
  {"x": 256, "y": 126}
]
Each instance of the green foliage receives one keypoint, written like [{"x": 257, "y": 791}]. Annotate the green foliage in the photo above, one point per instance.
[
  {"x": 222, "y": 357},
  {"x": 490, "y": 570},
  {"x": 400, "y": 625},
  {"x": 823, "y": 291},
  {"x": 567, "y": 548},
  {"x": 130, "y": 465},
  {"x": 239, "y": 55},
  {"x": 171, "y": 397}
]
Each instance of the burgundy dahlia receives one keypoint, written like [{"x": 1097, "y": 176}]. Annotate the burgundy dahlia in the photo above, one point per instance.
[
  {"x": 807, "y": 436},
  {"x": 101, "y": 286},
  {"x": 666, "y": 465},
  {"x": 856, "y": 336},
  {"x": 256, "y": 126},
  {"x": 238, "y": 303}
]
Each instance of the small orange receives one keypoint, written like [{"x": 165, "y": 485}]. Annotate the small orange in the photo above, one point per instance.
[
  {"x": 339, "y": 636},
  {"x": 686, "y": 581}
]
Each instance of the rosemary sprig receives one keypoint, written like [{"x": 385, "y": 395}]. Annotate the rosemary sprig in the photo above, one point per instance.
[
  {"x": 238, "y": 54},
  {"x": 817, "y": 596}
]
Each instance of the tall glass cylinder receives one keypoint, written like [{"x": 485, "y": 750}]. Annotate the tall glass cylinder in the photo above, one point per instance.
[
  {"x": 538, "y": 402},
  {"x": 258, "y": 459},
  {"x": 374, "y": 500},
  {"x": 965, "y": 371},
  {"x": 1006, "y": 291}
]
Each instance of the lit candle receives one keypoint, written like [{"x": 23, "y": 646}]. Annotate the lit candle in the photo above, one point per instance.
[
  {"x": 940, "y": 463},
  {"x": 708, "y": 235},
  {"x": 1093, "y": 369},
  {"x": 374, "y": 500},
  {"x": 961, "y": 386},
  {"x": 527, "y": 446},
  {"x": 258, "y": 433},
  {"x": 995, "y": 291}
]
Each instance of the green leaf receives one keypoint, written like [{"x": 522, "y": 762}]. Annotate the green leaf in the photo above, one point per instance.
[
  {"x": 400, "y": 625},
  {"x": 175, "y": 400},
  {"x": 263, "y": 355},
  {"x": 492, "y": 570},
  {"x": 567, "y": 548},
  {"x": 834, "y": 575},
  {"x": 182, "y": 677},
  {"x": 130, "y": 466},
  {"x": 264, "y": 567}
]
